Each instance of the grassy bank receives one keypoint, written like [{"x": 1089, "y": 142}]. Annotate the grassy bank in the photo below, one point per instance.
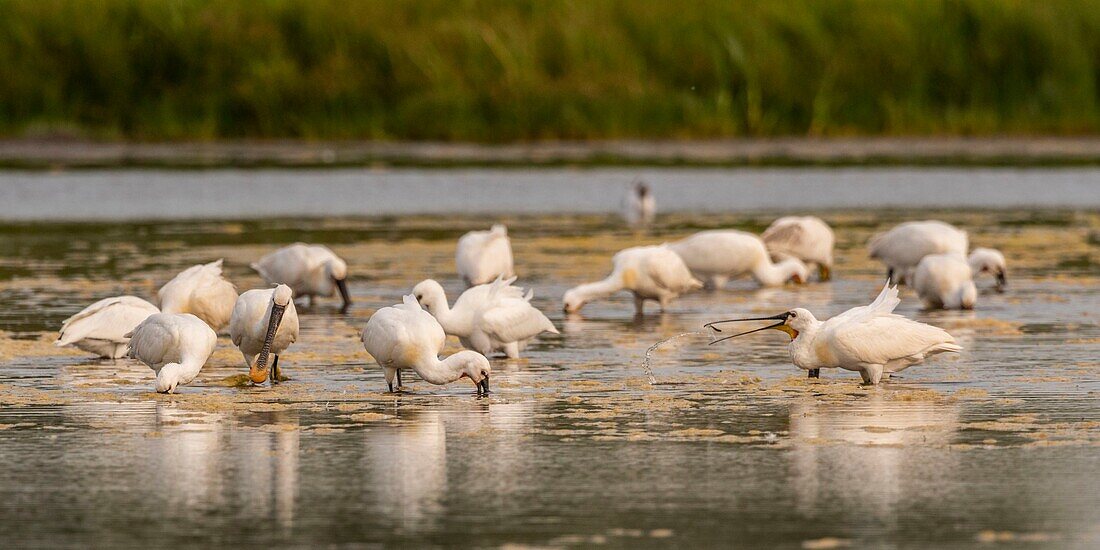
[{"x": 531, "y": 70}]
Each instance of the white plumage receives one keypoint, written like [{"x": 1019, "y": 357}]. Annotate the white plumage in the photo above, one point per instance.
[
  {"x": 308, "y": 269},
  {"x": 405, "y": 336},
  {"x": 101, "y": 328},
  {"x": 869, "y": 339},
  {"x": 174, "y": 345},
  {"x": 807, "y": 238},
  {"x": 202, "y": 291},
  {"x": 718, "y": 255},
  {"x": 991, "y": 261},
  {"x": 482, "y": 256},
  {"x": 945, "y": 281},
  {"x": 253, "y": 328},
  {"x": 649, "y": 272},
  {"x": 902, "y": 247},
  {"x": 486, "y": 318},
  {"x": 639, "y": 207}
]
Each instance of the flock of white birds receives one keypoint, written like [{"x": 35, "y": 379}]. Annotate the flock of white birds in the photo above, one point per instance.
[{"x": 493, "y": 316}]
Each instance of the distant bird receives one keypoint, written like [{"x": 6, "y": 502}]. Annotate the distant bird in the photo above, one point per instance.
[
  {"x": 407, "y": 337},
  {"x": 650, "y": 272},
  {"x": 807, "y": 238},
  {"x": 718, "y": 255},
  {"x": 264, "y": 323},
  {"x": 202, "y": 291},
  {"x": 945, "y": 281},
  {"x": 482, "y": 256},
  {"x": 902, "y": 247},
  {"x": 991, "y": 261},
  {"x": 486, "y": 318},
  {"x": 101, "y": 328},
  {"x": 869, "y": 339},
  {"x": 174, "y": 345},
  {"x": 308, "y": 269},
  {"x": 639, "y": 207}
]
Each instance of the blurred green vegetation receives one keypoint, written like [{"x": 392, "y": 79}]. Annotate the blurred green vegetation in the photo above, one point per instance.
[{"x": 534, "y": 70}]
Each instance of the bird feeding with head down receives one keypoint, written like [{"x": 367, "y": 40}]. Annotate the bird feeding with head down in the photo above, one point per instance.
[
  {"x": 308, "y": 269},
  {"x": 482, "y": 256},
  {"x": 871, "y": 339},
  {"x": 202, "y": 291},
  {"x": 404, "y": 336},
  {"x": 807, "y": 238},
  {"x": 174, "y": 345},
  {"x": 649, "y": 272},
  {"x": 716, "y": 256},
  {"x": 264, "y": 324},
  {"x": 101, "y": 328}
]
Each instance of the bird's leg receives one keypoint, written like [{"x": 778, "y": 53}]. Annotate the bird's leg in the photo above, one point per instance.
[
  {"x": 814, "y": 373},
  {"x": 275, "y": 371},
  {"x": 639, "y": 305},
  {"x": 890, "y": 275},
  {"x": 310, "y": 298},
  {"x": 400, "y": 385},
  {"x": 511, "y": 350},
  {"x": 823, "y": 272}
]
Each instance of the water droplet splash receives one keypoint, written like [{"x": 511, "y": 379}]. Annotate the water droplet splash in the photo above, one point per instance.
[{"x": 651, "y": 349}]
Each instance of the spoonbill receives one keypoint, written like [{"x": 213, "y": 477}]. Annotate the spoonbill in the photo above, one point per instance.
[
  {"x": 264, "y": 323},
  {"x": 486, "y": 318},
  {"x": 717, "y": 255},
  {"x": 807, "y": 238},
  {"x": 649, "y": 272},
  {"x": 639, "y": 207},
  {"x": 174, "y": 345},
  {"x": 101, "y": 328},
  {"x": 407, "y": 337},
  {"x": 202, "y": 291},
  {"x": 902, "y": 247},
  {"x": 308, "y": 269},
  {"x": 991, "y": 261},
  {"x": 869, "y": 339},
  {"x": 944, "y": 281},
  {"x": 482, "y": 256}
]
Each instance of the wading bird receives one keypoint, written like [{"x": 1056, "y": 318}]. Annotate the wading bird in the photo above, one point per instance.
[
  {"x": 649, "y": 272},
  {"x": 807, "y": 238},
  {"x": 482, "y": 256},
  {"x": 945, "y": 281},
  {"x": 174, "y": 345},
  {"x": 902, "y": 247},
  {"x": 869, "y": 339},
  {"x": 639, "y": 207},
  {"x": 101, "y": 328},
  {"x": 202, "y": 291},
  {"x": 486, "y": 318},
  {"x": 308, "y": 269},
  {"x": 991, "y": 261},
  {"x": 264, "y": 323},
  {"x": 718, "y": 255},
  {"x": 407, "y": 337}
]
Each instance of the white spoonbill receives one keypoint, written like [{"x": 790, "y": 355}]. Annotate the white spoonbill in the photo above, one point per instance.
[
  {"x": 717, "y": 255},
  {"x": 649, "y": 272},
  {"x": 482, "y": 256},
  {"x": 639, "y": 207},
  {"x": 902, "y": 247},
  {"x": 869, "y": 339},
  {"x": 174, "y": 345},
  {"x": 101, "y": 328},
  {"x": 308, "y": 269},
  {"x": 991, "y": 261},
  {"x": 807, "y": 238},
  {"x": 264, "y": 323},
  {"x": 407, "y": 337},
  {"x": 487, "y": 318},
  {"x": 202, "y": 291},
  {"x": 944, "y": 281}
]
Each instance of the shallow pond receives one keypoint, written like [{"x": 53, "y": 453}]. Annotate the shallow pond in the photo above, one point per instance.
[{"x": 575, "y": 447}]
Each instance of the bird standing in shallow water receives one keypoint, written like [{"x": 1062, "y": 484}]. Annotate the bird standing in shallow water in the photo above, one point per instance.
[
  {"x": 650, "y": 272},
  {"x": 202, "y": 291},
  {"x": 101, "y": 327},
  {"x": 482, "y": 256},
  {"x": 902, "y": 247},
  {"x": 807, "y": 238},
  {"x": 639, "y": 206},
  {"x": 716, "y": 256},
  {"x": 869, "y": 339},
  {"x": 264, "y": 323},
  {"x": 174, "y": 345},
  {"x": 308, "y": 269}
]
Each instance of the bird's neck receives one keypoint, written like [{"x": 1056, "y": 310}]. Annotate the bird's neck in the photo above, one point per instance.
[
  {"x": 437, "y": 372},
  {"x": 774, "y": 274},
  {"x": 805, "y": 353},
  {"x": 452, "y": 321},
  {"x": 600, "y": 289}
]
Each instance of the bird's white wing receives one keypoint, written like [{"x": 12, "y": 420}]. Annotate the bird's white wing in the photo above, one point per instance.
[
  {"x": 884, "y": 304},
  {"x": 514, "y": 321},
  {"x": 153, "y": 342},
  {"x": 108, "y": 319},
  {"x": 784, "y": 234},
  {"x": 667, "y": 270},
  {"x": 881, "y": 339},
  {"x": 383, "y": 334}
]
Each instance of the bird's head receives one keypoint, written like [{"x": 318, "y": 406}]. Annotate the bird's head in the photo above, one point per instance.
[
  {"x": 430, "y": 294},
  {"x": 337, "y": 271},
  {"x": 168, "y": 378},
  {"x": 793, "y": 322},
  {"x": 989, "y": 260},
  {"x": 282, "y": 296},
  {"x": 475, "y": 367},
  {"x": 572, "y": 301}
]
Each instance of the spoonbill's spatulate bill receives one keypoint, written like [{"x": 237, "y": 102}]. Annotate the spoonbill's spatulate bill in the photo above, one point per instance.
[
  {"x": 719, "y": 255},
  {"x": 405, "y": 336},
  {"x": 649, "y": 272},
  {"x": 989, "y": 261},
  {"x": 807, "y": 238},
  {"x": 639, "y": 207},
  {"x": 482, "y": 256},
  {"x": 869, "y": 339},
  {"x": 308, "y": 269},
  {"x": 486, "y": 318},
  {"x": 174, "y": 345},
  {"x": 944, "y": 281},
  {"x": 202, "y": 291},
  {"x": 903, "y": 247},
  {"x": 264, "y": 323},
  {"x": 101, "y": 328}
]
